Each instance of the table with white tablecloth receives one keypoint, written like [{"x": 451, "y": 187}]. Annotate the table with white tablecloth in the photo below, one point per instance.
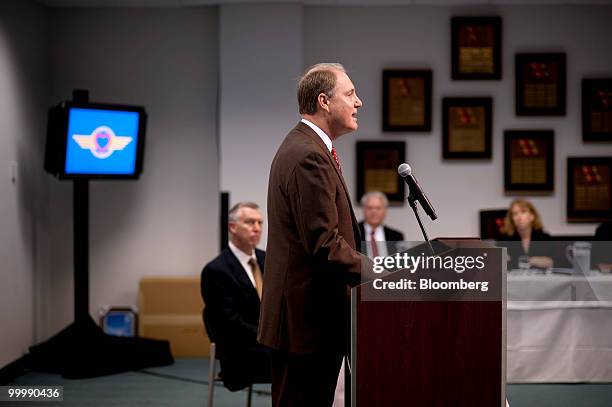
[{"x": 559, "y": 327}]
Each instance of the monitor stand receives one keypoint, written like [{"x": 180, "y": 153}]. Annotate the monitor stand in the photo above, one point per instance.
[{"x": 82, "y": 349}]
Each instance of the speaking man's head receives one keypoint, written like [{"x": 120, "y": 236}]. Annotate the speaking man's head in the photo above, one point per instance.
[
  {"x": 327, "y": 97},
  {"x": 245, "y": 224}
]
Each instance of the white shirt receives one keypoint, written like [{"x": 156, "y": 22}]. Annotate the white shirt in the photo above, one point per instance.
[
  {"x": 379, "y": 237},
  {"x": 244, "y": 258},
  {"x": 320, "y": 133}
]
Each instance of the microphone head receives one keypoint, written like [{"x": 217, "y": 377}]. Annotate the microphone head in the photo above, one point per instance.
[{"x": 404, "y": 170}]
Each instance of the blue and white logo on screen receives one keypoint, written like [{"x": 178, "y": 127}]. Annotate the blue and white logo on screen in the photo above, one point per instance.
[{"x": 102, "y": 141}]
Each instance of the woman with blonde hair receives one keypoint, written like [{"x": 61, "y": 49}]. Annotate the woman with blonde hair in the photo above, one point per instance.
[{"x": 523, "y": 223}]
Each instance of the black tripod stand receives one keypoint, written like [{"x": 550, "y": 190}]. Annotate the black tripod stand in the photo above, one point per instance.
[{"x": 82, "y": 349}]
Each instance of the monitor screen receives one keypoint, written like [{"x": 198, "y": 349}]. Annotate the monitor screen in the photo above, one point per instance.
[
  {"x": 95, "y": 141},
  {"x": 101, "y": 141}
]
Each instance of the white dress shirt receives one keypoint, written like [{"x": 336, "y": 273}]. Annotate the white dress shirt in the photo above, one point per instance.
[
  {"x": 244, "y": 258},
  {"x": 379, "y": 237},
  {"x": 320, "y": 133}
]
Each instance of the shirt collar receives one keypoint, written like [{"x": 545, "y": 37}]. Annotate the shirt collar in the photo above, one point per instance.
[
  {"x": 368, "y": 229},
  {"x": 242, "y": 256},
  {"x": 320, "y": 133}
]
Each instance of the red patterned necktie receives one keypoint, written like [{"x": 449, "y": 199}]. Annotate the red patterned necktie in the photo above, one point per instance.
[
  {"x": 335, "y": 154},
  {"x": 373, "y": 244}
]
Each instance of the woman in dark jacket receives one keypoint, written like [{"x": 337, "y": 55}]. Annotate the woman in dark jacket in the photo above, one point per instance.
[{"x": 523, "y": 224}]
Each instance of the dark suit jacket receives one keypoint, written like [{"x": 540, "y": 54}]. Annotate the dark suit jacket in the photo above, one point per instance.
[
  {"x": 391, "y": 235},
  {"x": 231, "y": 303},
  {"x": 311, "y": 252},
  {"x": 515, "y": 247}
]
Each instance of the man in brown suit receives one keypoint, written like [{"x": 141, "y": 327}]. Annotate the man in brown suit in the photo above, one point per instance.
[{"x": 312, "y": 252}]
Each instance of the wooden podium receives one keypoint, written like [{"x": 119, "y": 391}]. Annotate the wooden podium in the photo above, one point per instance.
[{"x": 430, "y": 353}]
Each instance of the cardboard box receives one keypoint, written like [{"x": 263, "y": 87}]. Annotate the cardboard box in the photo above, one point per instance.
[{"x": 170, "y": 308}]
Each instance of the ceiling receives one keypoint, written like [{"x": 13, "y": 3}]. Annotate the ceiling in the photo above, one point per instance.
[{"x": 187, "y": 3}]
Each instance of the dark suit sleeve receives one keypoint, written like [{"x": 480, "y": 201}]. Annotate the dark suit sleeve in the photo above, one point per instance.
[
  {"x": 312, "y": 193},
  {"x": 222, "y": 309}
]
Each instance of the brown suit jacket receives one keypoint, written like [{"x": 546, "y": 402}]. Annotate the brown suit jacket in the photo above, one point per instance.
[{"x": 312, "y": 254}]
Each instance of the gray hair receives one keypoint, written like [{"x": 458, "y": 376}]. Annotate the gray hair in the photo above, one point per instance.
[
  {"x": 374, "y": 194},
  {"x": 319, "y": 78},
  {"x": 233, "y": 212}
]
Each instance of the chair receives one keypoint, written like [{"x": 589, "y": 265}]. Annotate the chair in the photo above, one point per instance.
[{"x": 213, "y": 374}]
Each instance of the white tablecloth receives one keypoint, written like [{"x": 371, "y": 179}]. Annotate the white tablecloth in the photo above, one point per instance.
[
  {"x": 554, "y": 339},
  {"x": 528, "y": 286}
]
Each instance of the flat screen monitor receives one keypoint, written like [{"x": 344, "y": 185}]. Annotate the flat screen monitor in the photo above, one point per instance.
[{"x": 93, "y": 140}]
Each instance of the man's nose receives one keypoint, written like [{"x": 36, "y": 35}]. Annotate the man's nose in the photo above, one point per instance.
[{"x": 358, "y": 102}]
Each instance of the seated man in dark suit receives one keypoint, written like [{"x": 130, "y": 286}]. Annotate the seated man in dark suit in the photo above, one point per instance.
[
  {"x": 374, "y": 206},
  {"x": 231, "y": 288}
]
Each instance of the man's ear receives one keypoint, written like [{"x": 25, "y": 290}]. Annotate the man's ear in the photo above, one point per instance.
[
  {"x": 323, "y": 102},
  {"x": 231, "y": 226}
]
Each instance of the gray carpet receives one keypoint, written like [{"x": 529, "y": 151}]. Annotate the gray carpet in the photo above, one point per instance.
[
  {"x": 559, "y": 395},
  {"x": 184, "y": 385}
]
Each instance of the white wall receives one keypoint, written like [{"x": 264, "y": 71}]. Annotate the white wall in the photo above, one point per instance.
[
  {"x": 260, "y": 61},
  {"x": 22, "y": 111},
  {"x": 368, "y": 40},
  {"x": 166, "y": 223}
]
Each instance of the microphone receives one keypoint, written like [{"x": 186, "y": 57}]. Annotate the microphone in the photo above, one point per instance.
[{"x": 405, "y": 172}]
